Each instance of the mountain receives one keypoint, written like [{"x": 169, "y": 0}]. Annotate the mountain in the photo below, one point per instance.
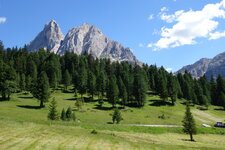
[
  {"x": 86, "y": 39},
  {"x": 50, "y": 38},
  {"x": 197, "y": 69},
  {"x": 214, "y": 66}
]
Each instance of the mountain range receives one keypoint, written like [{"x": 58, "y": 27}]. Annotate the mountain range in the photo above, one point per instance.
[
  {"x": 80, "y": 40},
  {"x": 206, "y": 66}
]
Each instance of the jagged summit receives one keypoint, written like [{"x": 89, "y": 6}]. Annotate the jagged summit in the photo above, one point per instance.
[
  {"x": 49, "y": 38},
  {"x": 83, "y": 39}
]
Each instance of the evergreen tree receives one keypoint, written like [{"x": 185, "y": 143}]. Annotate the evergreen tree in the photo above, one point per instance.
[
  {"x": 222, "y": 100},
  {"x": 189, "y": 123},
  {"x": 113, "y": 91},
  {"x": 53, "y": 113},
  {"x": 22, "y": 82},
  {"x": 91, "y": 84},
  {"x": 82, "y": 81},
  {"x": 139, "y": 88},
  {"x": 116, "y": 117},
  {"x": 66, "y": 79},
  {"x": 101, "y": 83},
  {"x": 213, "y": 90},
  {"x": 69, "y": 114},
  {"x": 41, "y": 89},
  {"x": 220, "y": 89},
  {"x": 63, "y": 115},
  {"x": 162, "y": 86},
  {"x": 172, "y": 88}
]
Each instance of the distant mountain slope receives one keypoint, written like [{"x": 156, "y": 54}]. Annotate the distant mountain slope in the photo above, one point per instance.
[
  {"x": 84, "y": 39},
  {"x": 197, "y": 69},
  {"x": 214, "y": 66}
]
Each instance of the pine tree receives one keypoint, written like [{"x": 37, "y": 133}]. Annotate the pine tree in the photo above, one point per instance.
[
  {"x": 66, "y": 79},
  {"x": 162, "y": 87},
  {"x": 172, "y": 88},
  {"x": 91, "y": 84},
  {"x": 82, "y": 81},
  {"x": 220, "y": 89},
  {"x": 41, "y": 89},
  {"x": 222, "y": 99},
  {"x": 113, "y": 91},
  {"x": 189, "y": 123},
  {"x": 53, "y": 113},
  {"x": 69, "y": 114},
  {"x": 63, "y": 115},
  {"x": 213, "y": 90},
  {"x": 22, "y": 82},
  {"x": 139, "y": 88},
  {"x": 116, "y": 117}
]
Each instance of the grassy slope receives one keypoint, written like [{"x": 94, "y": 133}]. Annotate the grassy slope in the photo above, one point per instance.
[{"x": 29, "y": 128}]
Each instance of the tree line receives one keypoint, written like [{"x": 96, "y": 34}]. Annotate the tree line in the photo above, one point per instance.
[{"x": 118, "y": 83}]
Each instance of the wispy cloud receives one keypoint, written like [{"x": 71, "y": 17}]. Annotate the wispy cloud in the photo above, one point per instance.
[
  {"x": 190, "y": 25},
  {"x": 2, "y": 20},
  {"x": 151, "y": 17}
]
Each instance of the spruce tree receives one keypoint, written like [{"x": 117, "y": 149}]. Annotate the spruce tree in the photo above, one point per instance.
[
  {"x": 189, "y": 123},
  {"x": 63, "y": 115},
  {"x": 69, "y": 114},
  {"x": 91, "y": 84},
  {"x": 66, "y": 79},
  {"x": 116, "y": 117},
  {"x": 53, "y": 113},
  {"x": 41, "y": 89},
  {"x": 139, "y": 88},
  {"x": 113, "y": 91}
]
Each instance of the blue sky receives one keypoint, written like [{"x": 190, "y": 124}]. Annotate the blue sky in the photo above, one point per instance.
[{"x": 172, "y": 33}]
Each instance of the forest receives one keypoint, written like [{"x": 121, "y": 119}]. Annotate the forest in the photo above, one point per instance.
[{"x": 120, "y": 83}]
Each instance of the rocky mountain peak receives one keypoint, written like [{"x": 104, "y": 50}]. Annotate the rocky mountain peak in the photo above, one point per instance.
[
  {"x": 49, "y": 38},
  {"x": 83, "y": 39}
]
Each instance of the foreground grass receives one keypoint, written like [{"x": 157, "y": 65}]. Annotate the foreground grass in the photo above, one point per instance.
[
  {"x": 24, "y": 126},
  {"x": 14, "y": 135}
]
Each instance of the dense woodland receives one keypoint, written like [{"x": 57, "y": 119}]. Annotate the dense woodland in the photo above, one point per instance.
[{"x": 118, "y": 83}]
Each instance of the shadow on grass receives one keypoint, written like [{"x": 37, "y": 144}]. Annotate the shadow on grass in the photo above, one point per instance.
[
  {"x": 71, "y": 99},
  {"x": 219, "y": 109},
  {"x": 188, "y": 140},
  {"x": 26, "y": 97},
  {"x": 29, "y": 107},
  {"x": 102, "y": 108},
  {"x": 109, "y": 122},
  {"x": 159, "y": 103}
]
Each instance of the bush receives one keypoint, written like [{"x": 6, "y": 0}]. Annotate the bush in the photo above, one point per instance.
[
  {"x": 94, "y": 132},
  {"x": 116, "y": 117}
]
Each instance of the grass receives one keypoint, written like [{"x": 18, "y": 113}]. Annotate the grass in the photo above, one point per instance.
[{"x": 24, "y": 126}]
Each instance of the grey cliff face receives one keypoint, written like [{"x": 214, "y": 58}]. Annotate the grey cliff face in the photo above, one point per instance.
[
  {"x": 84, "y": 39},
  {"x": 49, "y": 39},
  {"x": 197, "y": 69}
]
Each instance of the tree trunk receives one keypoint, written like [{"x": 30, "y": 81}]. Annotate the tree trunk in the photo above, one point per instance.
[
  {"x": 191, "y": 137},
  {"x": 42, "y": 104}
]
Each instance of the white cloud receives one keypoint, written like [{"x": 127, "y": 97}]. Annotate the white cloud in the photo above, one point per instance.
[
  {"x": 164, "y": 9},
  {"x": 150, "y": 45},
  {"x": 151, "y": 17},
  {"x": 190, "y": 25},
  {"x": 2, "y": 20},
  {"x": 216, "y": 35}
]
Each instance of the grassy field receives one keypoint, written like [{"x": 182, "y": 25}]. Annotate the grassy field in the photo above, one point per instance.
[{"x": 24, "y": 126}]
